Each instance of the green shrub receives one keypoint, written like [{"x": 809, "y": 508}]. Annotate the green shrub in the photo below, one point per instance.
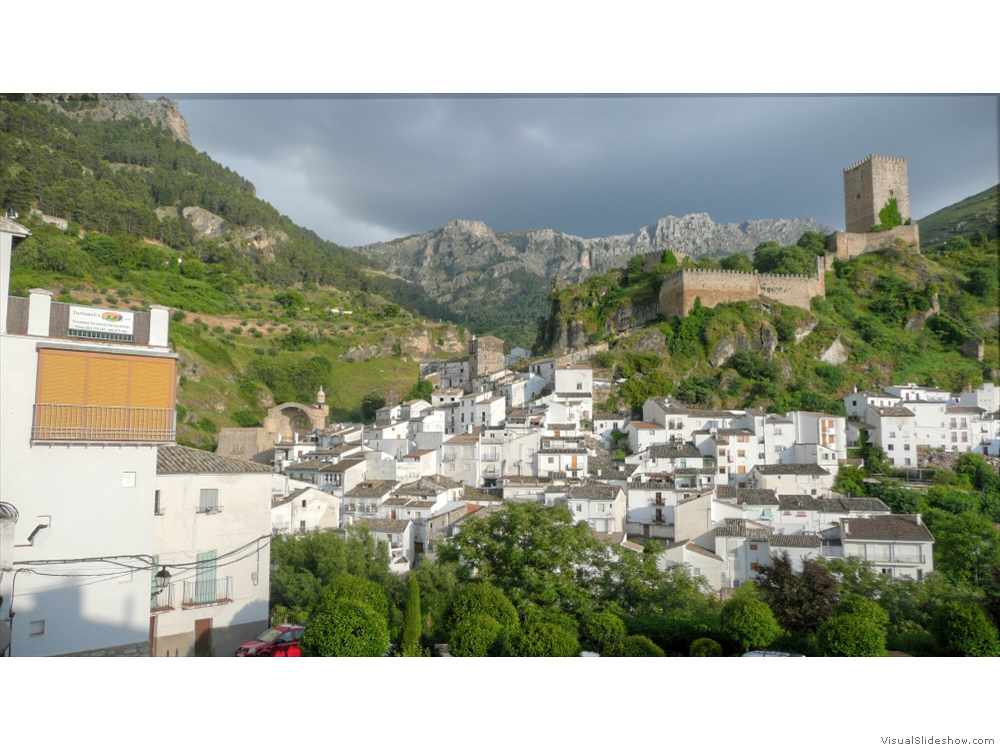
[
  {"x": 851, "y": 635},
  {"x": 357, "y": 589},
  {"x": 749, "y": 623},
  {"x": 962, "y": 629},
  {"x": 602, "y": 629},
  {"x": 543, "y": 639},
  {"x": 855, "y": 604},
  {"x": 634, "y": 645},
  {"x": 247, "y": 418},
  {"x": 342, "y": 627},
  {"x": 484, "y": 599},
  {"x": 706, "y": 647},
  {"x": 476, "y": 635},
  {"x": 917, "y": 643}
]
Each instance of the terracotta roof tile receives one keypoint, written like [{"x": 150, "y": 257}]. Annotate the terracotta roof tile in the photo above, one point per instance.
[
  {"x": 794, "y": 540},
  {"x": 674, "y": 450},
  {"x": 179, "y": 459},
  {"x": 897, "y": 528},
  {"x": 792, "y": 469}
]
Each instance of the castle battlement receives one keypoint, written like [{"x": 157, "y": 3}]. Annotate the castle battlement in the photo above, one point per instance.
[
  {"x": 786, "y": 276},
  {"x": 704, "y": 271},
  {"x": 876, "y": 157},
  {"x": 729, "y": 272}
]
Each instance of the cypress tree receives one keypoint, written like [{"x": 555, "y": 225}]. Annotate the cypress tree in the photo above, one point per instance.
[{"x": 411, "y": 619}]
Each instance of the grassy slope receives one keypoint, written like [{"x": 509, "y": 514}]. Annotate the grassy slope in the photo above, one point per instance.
[
  {"x": 979, "y": 211},
  {"x": 223, "y": 332}
]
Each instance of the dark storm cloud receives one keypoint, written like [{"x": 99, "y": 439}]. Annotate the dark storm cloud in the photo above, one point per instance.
[{"x": 358, "y": 170}]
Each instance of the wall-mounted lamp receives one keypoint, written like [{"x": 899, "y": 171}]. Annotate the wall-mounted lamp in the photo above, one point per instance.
[{"x": 162, "y": 578}]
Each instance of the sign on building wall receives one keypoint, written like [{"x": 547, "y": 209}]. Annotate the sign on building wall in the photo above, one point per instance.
[{"x": 95, "y": 323}]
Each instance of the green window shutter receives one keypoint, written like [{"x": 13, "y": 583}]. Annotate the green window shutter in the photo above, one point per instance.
[{"x": 205, "y": 578}]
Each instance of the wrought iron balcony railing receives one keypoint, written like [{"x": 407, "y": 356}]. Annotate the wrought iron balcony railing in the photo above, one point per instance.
[
  {"x": 128, "y": 424},
  {"x": 204, "y": 593},
  {"x": 162, "y": 600}
]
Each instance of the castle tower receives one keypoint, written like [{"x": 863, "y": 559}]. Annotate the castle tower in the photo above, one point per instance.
[
  {"x": 485, "y": 356},
  {"x": 871, "y": 183}
]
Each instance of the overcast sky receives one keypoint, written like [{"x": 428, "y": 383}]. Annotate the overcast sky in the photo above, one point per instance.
[{"x": 361, "y": 170}]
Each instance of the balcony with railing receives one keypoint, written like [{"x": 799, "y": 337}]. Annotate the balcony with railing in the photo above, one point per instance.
[
  {"x": 66, "y": 423},
  {"x": 162, "y": 600},
  {"x": 894, "y": 557},
  {"x": 207, "y": 593}
]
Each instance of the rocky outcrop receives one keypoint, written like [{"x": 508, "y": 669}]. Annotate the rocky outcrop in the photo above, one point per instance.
[
  {"x": 417, "y": 344},
  {"x": 206, "y": 224},
  {"x": 837, "y": 353},
  {"x": 762, "y": 340},
  {"x": 630, "y": 316},
  {"x": 803, "y": 329},
  {"x": 101, "y": 107},
  {"x": 563, "y": 335}
]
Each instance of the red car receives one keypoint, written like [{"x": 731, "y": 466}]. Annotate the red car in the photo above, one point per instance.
[{"x": 281, "y": 640}]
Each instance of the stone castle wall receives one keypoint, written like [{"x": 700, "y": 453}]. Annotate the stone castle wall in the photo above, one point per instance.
[
  {"x": 847, "y": 245},
  {"x": 680, "y": 289},
  {"x": 793, "y": 290}
]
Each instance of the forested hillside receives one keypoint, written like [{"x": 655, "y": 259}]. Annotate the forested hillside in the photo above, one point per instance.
[
  {"x": 112, "y": 176},
  {"x": 263, "y": 312}
]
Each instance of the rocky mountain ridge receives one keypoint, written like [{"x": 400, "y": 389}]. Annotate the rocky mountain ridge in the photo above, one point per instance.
[
  {"x": 100, "y": 107},
  {"x": 462, "y": 252}
]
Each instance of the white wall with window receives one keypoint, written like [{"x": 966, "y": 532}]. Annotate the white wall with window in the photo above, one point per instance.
[{"x": 213, "y": 537}]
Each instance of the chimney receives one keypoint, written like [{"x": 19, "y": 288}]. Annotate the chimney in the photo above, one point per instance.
[
  {"x": 919, "y": 522},
  {"x": 159, "y": 325},
  {"x": 39, "y": 311}
]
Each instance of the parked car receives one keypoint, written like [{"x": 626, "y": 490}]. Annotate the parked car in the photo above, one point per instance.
[{"x": 281, "y": 640}]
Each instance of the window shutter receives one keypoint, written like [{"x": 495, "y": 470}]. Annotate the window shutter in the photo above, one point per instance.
[
  {"x": 62, "y": 377},
  {"x": 208, "y": 499},
  {"x": 152, "y": 384},
  {"x": 205, "y": 577},
  {"x": 107, "y": 382}
]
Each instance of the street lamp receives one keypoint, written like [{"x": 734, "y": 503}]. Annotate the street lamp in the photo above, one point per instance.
[{"x": 162, "y": 578}]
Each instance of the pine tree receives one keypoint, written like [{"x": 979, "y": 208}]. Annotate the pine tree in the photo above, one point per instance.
[{"x": 411, "y": 619}]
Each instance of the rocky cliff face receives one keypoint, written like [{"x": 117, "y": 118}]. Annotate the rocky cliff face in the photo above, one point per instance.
[{"x": 101, "y": 107}]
